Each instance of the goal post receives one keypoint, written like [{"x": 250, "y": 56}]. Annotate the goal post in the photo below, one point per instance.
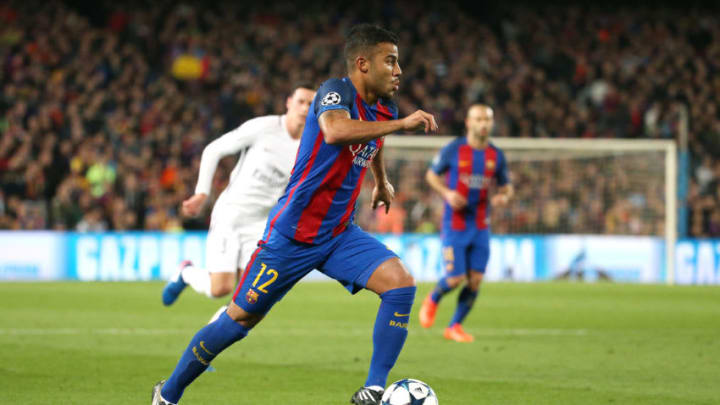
[{"x": 646, "y": 171}]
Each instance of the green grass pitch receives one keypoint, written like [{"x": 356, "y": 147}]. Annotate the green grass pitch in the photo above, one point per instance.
[{"x": 544, "y": 343}]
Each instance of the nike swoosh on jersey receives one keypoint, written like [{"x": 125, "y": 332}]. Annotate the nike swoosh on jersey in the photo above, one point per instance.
[{"x": 401, "y": 315}]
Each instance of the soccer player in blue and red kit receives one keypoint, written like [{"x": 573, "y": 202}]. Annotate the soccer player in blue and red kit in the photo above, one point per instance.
[
  {"x": 311, "y": 227},
  {"x": 468, "y": 166}
]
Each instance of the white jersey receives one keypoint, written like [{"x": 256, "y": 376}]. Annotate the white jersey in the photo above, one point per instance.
[{"x": 260, "y": 175}]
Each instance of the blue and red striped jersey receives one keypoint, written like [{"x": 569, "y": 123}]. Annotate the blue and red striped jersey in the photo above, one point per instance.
[
  {"x": 470, "y": 172},
  {"x": 319, "y": 201}
]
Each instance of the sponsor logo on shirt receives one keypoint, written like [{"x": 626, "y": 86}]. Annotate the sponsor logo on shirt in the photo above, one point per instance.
[
  {"x": 475, "y": 181},
  {"x": 363, "y": 154}
]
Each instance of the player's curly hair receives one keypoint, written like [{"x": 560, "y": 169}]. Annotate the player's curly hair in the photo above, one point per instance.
[{"x": 364, "y": 36}]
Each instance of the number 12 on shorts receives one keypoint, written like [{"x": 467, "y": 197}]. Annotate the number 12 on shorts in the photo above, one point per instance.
[{"x": 270, "y": 272}]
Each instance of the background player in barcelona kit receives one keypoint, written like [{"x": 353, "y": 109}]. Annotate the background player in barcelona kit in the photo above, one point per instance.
[
  {"x": 312, "y": 224},
  {"x": 267, "y": 146},
  {"x": 469, "y": 164}
]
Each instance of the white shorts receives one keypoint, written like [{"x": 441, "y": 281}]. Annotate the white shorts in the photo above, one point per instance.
[{"x": 229, "y": 248}]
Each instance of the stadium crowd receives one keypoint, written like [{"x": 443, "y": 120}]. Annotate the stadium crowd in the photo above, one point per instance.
[{"x": 104, "y": 114}]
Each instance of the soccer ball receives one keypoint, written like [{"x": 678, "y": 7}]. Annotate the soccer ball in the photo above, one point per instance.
[{"x": 409, "y": 392}]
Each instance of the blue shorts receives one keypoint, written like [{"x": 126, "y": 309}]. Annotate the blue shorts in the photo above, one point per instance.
[
  {"x": 466, "y": 252},
  {"x": 278, "y": 264}
]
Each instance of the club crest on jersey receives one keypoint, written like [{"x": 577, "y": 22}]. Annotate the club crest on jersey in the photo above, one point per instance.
[
  {"x": 490, "y": 164},
  {"x": 251, "y": 297},
  {"x": 331, "y": 99}
]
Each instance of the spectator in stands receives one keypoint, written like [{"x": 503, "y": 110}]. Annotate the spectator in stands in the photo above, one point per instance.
[{"x": 148, "y": 86}]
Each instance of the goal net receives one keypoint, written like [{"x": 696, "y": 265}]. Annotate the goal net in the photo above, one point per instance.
[{"x": 562, "y": 186}]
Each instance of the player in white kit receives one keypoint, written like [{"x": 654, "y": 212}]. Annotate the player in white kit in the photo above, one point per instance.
[{"x": 268, "y": 147}]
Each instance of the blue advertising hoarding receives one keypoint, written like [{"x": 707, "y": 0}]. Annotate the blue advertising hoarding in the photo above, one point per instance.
[
  {"x": 131, "y": 256},
  {"x": 32, "y": 256},
  {"x": 135, "y": 256},
  {"x": 697, "y": 261}
]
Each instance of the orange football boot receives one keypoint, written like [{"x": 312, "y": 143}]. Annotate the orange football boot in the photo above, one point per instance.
[
  {"x": 427, "y": 312},
  {"x": 457, "y": 334}
]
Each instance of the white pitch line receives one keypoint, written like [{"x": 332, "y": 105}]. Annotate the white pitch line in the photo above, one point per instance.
[
  {"x": 529, "y": 332},
  {"x": 105, "y": 331},
  {"x": 340, "y": 331}
]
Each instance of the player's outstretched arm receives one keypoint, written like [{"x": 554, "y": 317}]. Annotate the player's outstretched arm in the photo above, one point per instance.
[
  {"x": 228, "y": 144},
  {"x": 193, "y": 205},
  {"x": 339, "y": 129}
]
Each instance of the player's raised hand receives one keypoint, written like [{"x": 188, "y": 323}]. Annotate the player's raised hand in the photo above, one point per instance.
[
  {"x": 383, "y": 196},
  {"x": 420, "y": 120},
  {"x": 193, "y": 205},
  {"x": 455, "y": 199}
]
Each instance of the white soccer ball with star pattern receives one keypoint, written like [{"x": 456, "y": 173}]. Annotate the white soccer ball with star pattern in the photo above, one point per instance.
[{"x": 409, "y": 392}]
